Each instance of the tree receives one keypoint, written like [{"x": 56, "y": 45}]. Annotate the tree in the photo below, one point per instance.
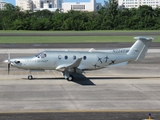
[
  {"x": 109, "y": 17},
  {"x": 10, "y": 7}
]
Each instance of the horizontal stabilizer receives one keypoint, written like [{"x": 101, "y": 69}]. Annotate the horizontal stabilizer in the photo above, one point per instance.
[{"x": 143, "y": 38}]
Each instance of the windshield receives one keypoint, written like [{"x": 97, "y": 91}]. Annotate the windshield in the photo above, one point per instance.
[{"x": 41, "y": 55}]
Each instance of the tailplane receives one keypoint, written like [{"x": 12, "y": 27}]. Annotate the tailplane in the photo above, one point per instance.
[{"x": 140, "y": 47}]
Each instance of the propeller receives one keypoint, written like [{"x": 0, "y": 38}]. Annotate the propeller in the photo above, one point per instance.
[{"x": 9, "y": 63}]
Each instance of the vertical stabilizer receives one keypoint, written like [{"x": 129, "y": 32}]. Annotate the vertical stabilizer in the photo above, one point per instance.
[{"x": 140, "y": 47}]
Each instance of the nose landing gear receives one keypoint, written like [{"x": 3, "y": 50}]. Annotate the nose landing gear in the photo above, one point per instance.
[{"x": 30, "y": 77}]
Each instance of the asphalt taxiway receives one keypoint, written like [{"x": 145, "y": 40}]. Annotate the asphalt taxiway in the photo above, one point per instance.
[{"x": 129, "y": 92}]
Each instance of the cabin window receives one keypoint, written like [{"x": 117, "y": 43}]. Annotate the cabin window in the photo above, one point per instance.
[
  {"x": 84, "y": 57},
  {"x": 66, "y": 57},
  {"x": 74, "y": 57},
  {"x": 59, "y": 57}
]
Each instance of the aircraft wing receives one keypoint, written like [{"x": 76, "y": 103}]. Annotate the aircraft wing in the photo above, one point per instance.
[{"x": 75, "y": 64}]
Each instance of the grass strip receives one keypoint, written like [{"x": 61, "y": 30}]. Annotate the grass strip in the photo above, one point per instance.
[{"x": 68, "y": 39}]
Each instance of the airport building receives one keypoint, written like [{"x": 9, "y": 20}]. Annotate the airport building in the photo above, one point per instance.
[
  {"x": 62, "y": 5},
  {"x": 24, "y": 4},
  {"x": 137, "y": 3},
  {"x": 34, "y": 5},
  {"x": 2, "y": 5},
  {"x": 51, "y": 5},
  {"x": 88, "y": 5}
]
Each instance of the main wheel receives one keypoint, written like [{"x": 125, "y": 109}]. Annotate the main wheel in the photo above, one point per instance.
[
  {"x": 70, "y": 78},
  {"x": 30, "y": 77}
]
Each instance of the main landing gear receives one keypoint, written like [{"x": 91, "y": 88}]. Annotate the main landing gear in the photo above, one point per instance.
[
  {"x": 30, "y": 77},
  {"x": 68, "y": 76}
]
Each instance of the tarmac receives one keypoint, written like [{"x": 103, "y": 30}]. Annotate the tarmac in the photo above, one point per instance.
[{"x": 129, "y": 93}]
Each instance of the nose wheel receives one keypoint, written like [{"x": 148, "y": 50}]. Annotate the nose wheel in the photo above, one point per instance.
[{"x": 30, "y": 77}]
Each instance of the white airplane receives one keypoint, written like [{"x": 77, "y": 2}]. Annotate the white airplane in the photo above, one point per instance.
[{"x": 70, "y": 62}]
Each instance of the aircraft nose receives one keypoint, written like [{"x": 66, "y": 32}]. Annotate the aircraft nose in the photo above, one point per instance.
[
  {"x": 13, "y": 62},
  {"x": 6, "y": 61}
]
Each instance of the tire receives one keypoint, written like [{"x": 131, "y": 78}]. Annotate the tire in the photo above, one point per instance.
[
  {"x": 70, "y": 78},
  {"x": 30, "y": 77}
]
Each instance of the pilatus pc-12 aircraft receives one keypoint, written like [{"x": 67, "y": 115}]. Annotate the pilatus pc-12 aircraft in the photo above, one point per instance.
[{"x": 72, "y": 62}]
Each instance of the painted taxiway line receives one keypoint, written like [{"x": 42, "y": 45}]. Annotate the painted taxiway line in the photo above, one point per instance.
[
  {"x": 65, "y": 82},
  {"x": 75, "y": 111}
]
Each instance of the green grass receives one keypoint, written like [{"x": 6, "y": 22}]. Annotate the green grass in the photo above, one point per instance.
[{"x": 68, "y": 39}]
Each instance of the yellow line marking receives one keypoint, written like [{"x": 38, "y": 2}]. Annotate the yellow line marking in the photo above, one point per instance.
[{"x": 74, "y": 111}]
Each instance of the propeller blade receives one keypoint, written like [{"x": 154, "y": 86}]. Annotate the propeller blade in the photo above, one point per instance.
[
  {"x": 9, "y": 65},
  {"x": 9, "y": 57}
]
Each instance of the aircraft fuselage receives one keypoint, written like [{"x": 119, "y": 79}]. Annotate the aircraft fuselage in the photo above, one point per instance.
[{"x": 50, "y": 60}]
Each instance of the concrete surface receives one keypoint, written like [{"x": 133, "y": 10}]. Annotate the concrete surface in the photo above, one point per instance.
[{"x": 129, "y": 89}]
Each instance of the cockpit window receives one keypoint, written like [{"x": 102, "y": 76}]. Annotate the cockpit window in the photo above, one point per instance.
[{"x": 41, "y": 55}]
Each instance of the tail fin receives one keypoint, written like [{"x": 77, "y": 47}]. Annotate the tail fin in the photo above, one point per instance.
[{"x": 140, "y": 47}]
